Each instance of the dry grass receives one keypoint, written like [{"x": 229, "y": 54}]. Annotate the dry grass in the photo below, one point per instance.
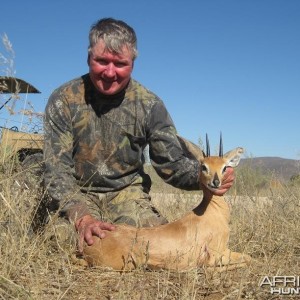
[{"x": 36, "y": 266}]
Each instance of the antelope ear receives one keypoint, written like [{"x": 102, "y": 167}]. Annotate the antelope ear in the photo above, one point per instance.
[
  {"x": 191, "y": 150},
  {"x": 233, "y": 157}
]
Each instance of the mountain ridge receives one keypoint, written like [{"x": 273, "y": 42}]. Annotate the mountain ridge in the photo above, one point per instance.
[{"x": 283, "y": 168}]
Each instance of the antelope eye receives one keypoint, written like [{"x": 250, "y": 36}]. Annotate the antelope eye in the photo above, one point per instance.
[
  {"x": 203, "y": 168},
  {"x": 224, "y": 169}
]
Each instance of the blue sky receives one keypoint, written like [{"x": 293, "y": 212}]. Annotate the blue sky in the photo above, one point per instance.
[{"x": 219, "y": 65}]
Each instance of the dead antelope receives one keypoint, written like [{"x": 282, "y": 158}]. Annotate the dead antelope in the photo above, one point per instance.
[{"x": 197, "y": 239}]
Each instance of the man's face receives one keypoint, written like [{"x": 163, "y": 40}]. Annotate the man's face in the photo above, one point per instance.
[{"x": 109, "y": 72}]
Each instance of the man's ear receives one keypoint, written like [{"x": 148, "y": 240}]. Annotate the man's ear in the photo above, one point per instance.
[{"x": 88, "y": 60}]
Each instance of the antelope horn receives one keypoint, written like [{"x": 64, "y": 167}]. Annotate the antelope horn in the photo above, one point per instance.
[
  {"x": 207, "y": 147},
  {"x": 221, "y": 146}
]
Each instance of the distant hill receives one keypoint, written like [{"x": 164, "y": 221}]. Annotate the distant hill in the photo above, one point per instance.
[{"x": 281, "y": 167}]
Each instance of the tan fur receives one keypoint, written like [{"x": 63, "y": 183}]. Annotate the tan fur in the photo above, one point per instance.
[{"x": 199, "y": 238}]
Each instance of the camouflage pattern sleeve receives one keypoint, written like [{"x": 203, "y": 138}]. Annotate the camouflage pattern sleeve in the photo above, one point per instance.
[
  {"x": 166, "y": 154},
  {"x": 59, "y": 172}
]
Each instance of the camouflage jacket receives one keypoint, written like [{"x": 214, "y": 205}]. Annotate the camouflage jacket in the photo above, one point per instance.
[{"x": 94, "y": 143}]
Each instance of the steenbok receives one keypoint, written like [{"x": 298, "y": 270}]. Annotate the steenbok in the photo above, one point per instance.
[{"x": 200, "y": 238}]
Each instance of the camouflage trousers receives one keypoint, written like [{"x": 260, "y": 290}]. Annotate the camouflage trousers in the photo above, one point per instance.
[{"x": 130, "y": 206}]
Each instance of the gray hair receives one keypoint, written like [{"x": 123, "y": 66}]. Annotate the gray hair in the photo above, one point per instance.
[{"x": 116, "y": 34}]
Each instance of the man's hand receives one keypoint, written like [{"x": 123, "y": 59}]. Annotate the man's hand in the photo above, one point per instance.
[
  {"x": 87, "y": 226},
  {"x": 227, "y": 182}
]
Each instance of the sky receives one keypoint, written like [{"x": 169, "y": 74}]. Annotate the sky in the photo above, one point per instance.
[{"x": 230, "y": 66}]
